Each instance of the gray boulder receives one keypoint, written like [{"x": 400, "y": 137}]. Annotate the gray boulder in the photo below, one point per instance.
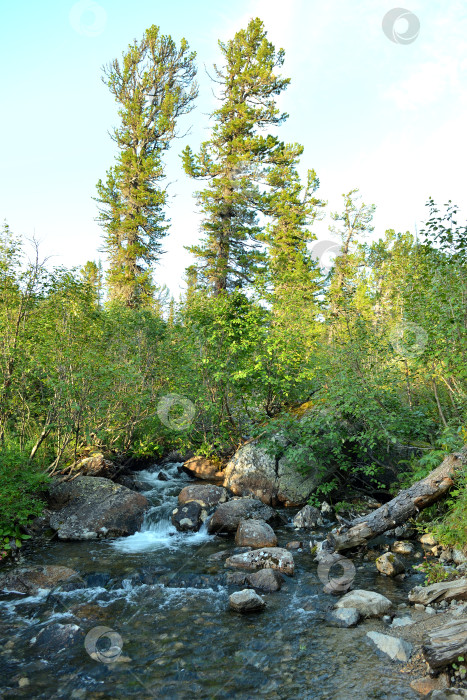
[
  {"x": 390, "y": 565},
  {"x": 343, "y": 617},
  {"x": 228, "y": 515},
  {"x": 368, "y": 603},
  {"x": 89, "y": 507},
  {"x": 246, "y": 601},
  {"x": 206, "y": 494},
  {"x": 308, "y": 518},
  {"x": 254, "y": 472},
  {"x": 267, "y": 558},
  {"x": 255, "y": 533},
  {"x": 266, "y": 580},
  {"x": 396, "y": 649}
]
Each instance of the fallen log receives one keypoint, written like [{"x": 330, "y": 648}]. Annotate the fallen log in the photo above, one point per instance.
[
  {"x": 407, "y": 504},
  {"x": 446, "y": 590},
  {"x": 443, "y": 645}
]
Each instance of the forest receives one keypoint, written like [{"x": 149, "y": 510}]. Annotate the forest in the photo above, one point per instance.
[{"x": 354, "y": 347}]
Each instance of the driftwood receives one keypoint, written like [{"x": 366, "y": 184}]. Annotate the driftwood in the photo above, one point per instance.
[
  {"x": 443, "y": 645},
  {"x": 407, "y": 504},
  {"x": 446, "y": 590}
]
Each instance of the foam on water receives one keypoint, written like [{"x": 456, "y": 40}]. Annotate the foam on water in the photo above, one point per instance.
[{"x": 157, "y": 531}]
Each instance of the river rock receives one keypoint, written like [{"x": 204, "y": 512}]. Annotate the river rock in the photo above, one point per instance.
[
  {"x": 266, "y": 580},
  {"x": 91, "y": 507},
  {"x": 343, "y": 617},
  {"x": 29, "y": 579},
  {"x": 252, "y": 471},
  {"x": 427, "y": 684},
  {"x": 228, "y": 515},
  {"x": 255, "y": 533},
  {"x": 204, "y": 468},
  {"x": 428, "y": 539},
  {"x": 207, "y": 495},
  {"x": 189, "y": 517},
  {"x": 267, "y": 558},
  {"x": 390, "y": 565},
  {"x": 400, "y": 547},
  {"x": 449, "y": 694},
  {"x": 308, "y": 518},
  {"x": 437, "y": 592},
  {"x": 96, "y": 465},
  {"x": 246, "y": 601},
  {"x": 396, "y": 649},
  {"x": 459, "y": 557},
  {"x": 56, "y": 638},
  {"x": 368, "y": 603}
]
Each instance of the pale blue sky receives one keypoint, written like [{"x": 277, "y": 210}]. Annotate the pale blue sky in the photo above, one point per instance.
[{"x": 384, "y": 117}]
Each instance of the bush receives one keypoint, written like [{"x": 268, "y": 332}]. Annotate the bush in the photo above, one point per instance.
[{"x": 20, "y": 484}]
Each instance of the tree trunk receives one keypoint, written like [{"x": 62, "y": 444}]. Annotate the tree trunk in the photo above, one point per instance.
[
  {"x": 405, "y": 505},
  {"x": 443, "y": 645}
]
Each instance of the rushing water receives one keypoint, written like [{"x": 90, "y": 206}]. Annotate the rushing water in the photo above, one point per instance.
[{"x": 167, "y": 604}]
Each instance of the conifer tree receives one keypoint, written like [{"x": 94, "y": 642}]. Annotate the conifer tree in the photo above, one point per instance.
[
  {"x": 237, "y": 158},
  {"x": 153, "y": 85}
]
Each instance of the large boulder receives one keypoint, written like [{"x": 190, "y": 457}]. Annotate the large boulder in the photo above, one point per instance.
[
  {"x": 268, "y": 558},
  {"x": 228, "y": 515},
  {"x": 255, "y": 533},
  {"x": 29, "y": 579},
  {"x": 204, "y": 468},
  {"x": 252, "y": 471},
  {"x": 206, "y": 494},
  {"x": 189, "y": 517},
  {"x": 246, "y": 601},
  {"x": 89, "y": 507},
  {"x": 368, "y": 603}
]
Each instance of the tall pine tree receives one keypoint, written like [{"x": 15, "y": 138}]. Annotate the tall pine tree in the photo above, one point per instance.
[
  {"x": 237, "y": 158},
  {"x": 154, "y": 85}
]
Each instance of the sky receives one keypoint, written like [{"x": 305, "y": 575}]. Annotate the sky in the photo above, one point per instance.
[{"x": 379, "y": 103}]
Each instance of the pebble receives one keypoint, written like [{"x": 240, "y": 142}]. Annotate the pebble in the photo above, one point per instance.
[{"x": 23, "y": 682}]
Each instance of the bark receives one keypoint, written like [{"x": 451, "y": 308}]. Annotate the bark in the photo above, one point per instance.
[
  {"x": 407, "y": 504},
  {"x": 443, "y": 645},
  {"x": 446, "y": 590}
]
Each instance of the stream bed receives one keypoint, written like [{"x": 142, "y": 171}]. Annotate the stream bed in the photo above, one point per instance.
[{"x": 172, "y": 634}]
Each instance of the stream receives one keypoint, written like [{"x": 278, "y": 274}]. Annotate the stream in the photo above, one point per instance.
[{"x": 166, "y": 603}]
